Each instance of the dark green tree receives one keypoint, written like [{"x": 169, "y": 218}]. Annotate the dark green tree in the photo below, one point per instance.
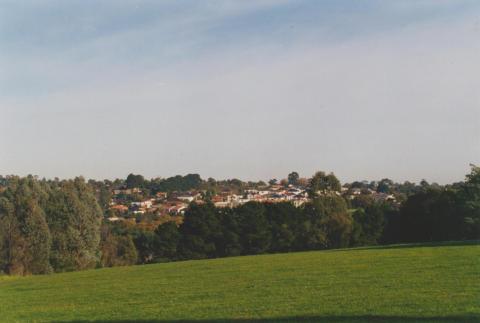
[
  {"x": 255, "y": 232},
  {"x": 311, "y": 233},
  {"x": 385, "y": 186},
  {"x": 229, "y": 243},
  {"x": 200, "y": 231},
  {"x": 166, "y": 242},
  {"x": 293, "y": 178},
  {"x": 469, "y": 205},
  {"x": 117, "y": 250},
  {"x": 368, "y": 225},
  {"x": 321, "y": 182},
  {"x": 145, "y": 243},
  {"x": 283, "y": 220},
  {"x": 324, "y": 223},
  {"x": 134, "y": 181}
]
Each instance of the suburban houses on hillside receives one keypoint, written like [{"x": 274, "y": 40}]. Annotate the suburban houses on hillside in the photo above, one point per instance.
[{"x": 175, "y": 203}]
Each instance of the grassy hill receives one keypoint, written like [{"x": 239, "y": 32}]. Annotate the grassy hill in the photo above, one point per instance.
[{"x": 405, "y": 283}]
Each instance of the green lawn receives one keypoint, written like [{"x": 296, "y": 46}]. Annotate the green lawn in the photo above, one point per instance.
[{"x": 403, "y": 283}]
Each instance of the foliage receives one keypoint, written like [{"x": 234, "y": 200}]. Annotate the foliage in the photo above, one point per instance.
[
  {"x": 117, "y": 250},
  {"x": 441, "y": 214},
  {"x": 24, "y": 234},
  {"x": 254, "y": 230},
  {"x": 283, "y": 220},
  {"x": 321, "y": 182},
  {"x": 74, "y": 218},
  {"x": 177, "y": 183},
  {"x": 199, "y": 232},
  {"x": 368, "y": 225},
  {"x": 134, "y": 181},
  {"x": 166, "y": 242},
  {"x": 293, "y": 178},
  {"x": 47, "y": 225}
]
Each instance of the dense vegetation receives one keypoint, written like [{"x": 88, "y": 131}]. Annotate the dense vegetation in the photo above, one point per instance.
[
  {"x": 47, "y": 226},
  {"x": 403, "y": 283},
  {"x": 57, "y": 225}
]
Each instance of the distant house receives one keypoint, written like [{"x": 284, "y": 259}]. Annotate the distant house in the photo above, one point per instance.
[
  {"x": 217, "y": 199},
  {"x": 177, "y": 209},
  {"x": 128, "y": 191},
  {"x": 383, "y": 197},
  {"x": 173, "y": 207},
  {"x": 276, "y": 187},
  {"x": 119, "y": 207},
  {"x": 299, "y": 201},
  {"x": 161, "y": 195},
  {"x": 222, "y": 204},
  {"x": 223, "y": 200},
  {"x": 142, "y": 204},
  {"x": 185, "y": 196},
  {"x": 356, "y": 191}
]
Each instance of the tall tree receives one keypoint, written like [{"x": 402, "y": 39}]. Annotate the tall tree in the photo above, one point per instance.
[
  {"x": 283, "y": 219},
  {"x": 117, "y": 250},
  {"x": 293, "y": 178},
  {"x": 324, "y": 223},
  {"x": 166, "y": 242},
  {"x": 334, "y": 218},
  {"x": 24, "y": 234},
  {"x": 74, "y": 218},
  {"x": 369, "y": 223},
  {"x": 200, "y": 231},
  {"x": 255, "y": 233},
  {"x": 229, "y": 243},
  {"x": 321, "y": 182},
  {"x": 134, "y": 181},
  {"x": 469, "y": 201},
  {"x": 385, "y": 186}
]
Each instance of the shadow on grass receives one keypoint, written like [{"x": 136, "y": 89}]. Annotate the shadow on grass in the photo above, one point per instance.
[
  {"x": 416, "y": 245},
  {"x": 321, "y": 319}
]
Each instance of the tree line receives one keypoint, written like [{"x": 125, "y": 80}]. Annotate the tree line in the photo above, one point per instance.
[{"x": 54, "y": 226}]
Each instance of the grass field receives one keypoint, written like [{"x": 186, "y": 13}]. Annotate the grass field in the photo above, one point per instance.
[{"x": 405, "y": 283}]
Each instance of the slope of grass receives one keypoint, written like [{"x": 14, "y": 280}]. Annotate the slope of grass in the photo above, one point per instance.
[{"x": 400, "y": 283}]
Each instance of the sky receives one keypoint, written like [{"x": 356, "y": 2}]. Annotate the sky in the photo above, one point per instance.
[{"x": 240, "y": 89}]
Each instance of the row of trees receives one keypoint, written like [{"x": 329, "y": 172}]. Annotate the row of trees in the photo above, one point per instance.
[
  {"x": 434, "y": 214},
  {"x": 452, "y": 213},
  {"x": 175, "y": 183},
  {"x": 48, "y": 226}
]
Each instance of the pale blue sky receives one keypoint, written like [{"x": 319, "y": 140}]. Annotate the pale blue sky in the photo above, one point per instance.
[{"x": 247, "y": 89}]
